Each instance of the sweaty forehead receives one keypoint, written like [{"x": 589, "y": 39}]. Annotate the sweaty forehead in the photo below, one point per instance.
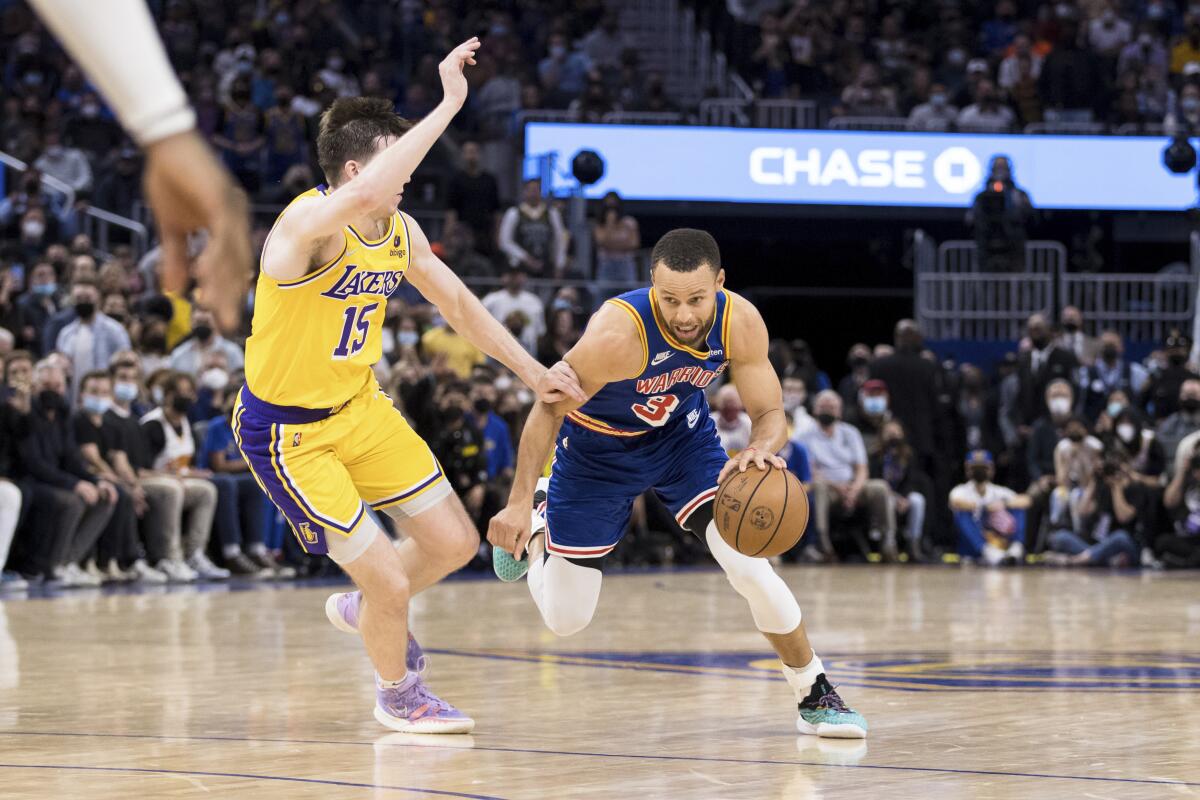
[{"x": 684, "y": 284}]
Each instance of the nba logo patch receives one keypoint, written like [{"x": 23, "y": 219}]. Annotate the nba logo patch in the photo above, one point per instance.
[
  {"x": 307, "y": 532},
  {"x": 296, "y": 440}
]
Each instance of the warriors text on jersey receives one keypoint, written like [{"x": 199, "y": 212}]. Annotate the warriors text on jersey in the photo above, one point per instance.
[
  {"x": 314, "y": 339},
  {"x": 673, "y": 376}
]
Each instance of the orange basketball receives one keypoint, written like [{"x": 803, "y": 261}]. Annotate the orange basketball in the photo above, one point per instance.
[{"x": 761, "y": 513}]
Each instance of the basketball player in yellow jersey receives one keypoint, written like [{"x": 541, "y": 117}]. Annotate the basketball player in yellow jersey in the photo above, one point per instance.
[{"x": 319, "y": 434}]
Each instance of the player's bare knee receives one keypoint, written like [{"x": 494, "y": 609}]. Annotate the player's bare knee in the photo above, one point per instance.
[
  {"x": 389, "y": 594},
  {"x": 462, "y": 547}
]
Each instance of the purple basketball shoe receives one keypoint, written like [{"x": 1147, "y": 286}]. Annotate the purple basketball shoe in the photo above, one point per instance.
[{"x": 412, "y": 708}]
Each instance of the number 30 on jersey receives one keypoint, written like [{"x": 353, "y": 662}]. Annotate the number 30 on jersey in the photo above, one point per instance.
[{"x": 656, "y": 410}]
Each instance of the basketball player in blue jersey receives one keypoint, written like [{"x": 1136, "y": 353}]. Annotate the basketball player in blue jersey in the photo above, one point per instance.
[
  {"x": 644, "y": 362},
  {"x": 320, "y": 436}
]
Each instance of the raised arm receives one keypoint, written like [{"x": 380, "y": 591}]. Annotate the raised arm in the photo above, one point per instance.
[
  {"x": 758, "y": 386},
  {"x": 466, "y": 314},
  {"x": 608, "y": 351},
  {"x": 309, "y": 225}
]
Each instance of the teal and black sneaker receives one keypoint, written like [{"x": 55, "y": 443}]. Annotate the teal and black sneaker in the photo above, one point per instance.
[
  {"x": 823, "y": 713},
  {"x": 507, "y": 568}
]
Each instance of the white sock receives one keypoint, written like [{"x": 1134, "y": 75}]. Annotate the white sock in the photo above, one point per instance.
[
  {"x": 802, "y": 679},
  {"x": 257, "y": 549},
  {"x": 404, "y": 682},
  {"x": 230, "y": 551}
]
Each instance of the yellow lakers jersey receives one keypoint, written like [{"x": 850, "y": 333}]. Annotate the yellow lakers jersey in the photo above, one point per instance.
[{"x": 313, "y": 340}]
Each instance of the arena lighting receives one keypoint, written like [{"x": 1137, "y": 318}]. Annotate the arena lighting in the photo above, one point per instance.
[
  {"x": 1180, "y": 156},
  {"x": 588, "y": 167}
]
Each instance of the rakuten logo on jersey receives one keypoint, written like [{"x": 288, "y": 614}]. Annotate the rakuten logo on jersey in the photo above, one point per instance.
[{"x": 956, "y": 169}]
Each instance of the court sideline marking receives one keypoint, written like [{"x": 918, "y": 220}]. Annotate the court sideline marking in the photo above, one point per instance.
[
  {"x": 629, "y": 756},
  {"x": 188, "y": 772}
]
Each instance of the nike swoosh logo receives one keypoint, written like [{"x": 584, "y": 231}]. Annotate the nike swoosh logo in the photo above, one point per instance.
[{"x": 658, "y": 359}]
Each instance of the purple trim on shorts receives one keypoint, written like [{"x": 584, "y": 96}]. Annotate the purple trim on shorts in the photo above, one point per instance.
[{"x": 288, "y": 415}]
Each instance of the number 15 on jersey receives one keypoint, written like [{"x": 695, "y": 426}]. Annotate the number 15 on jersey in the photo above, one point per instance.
[{"x": 355, "y": 331}]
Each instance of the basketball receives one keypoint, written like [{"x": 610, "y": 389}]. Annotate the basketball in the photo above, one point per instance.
[{"x": 761, "y": 513}]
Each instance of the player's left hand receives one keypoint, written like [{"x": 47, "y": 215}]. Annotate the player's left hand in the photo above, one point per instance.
[
  {"x": 751, "y": 455},
  {"x": 511, "y": 530},
  {"x": 559, "y": 383}
]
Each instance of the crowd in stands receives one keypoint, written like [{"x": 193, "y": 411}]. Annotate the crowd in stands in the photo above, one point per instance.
[{"x": 992, "y": 66}]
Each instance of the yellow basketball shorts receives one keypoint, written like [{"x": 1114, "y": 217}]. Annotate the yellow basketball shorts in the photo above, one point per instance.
[{"x": 323, "y": 467}]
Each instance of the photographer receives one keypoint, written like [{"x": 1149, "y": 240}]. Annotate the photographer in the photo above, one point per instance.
[
  {"x": 461, "y": 451},
  {"x": 1107, "y": 522},
  {"x": 1181, "y": 547},
  {"x": 1000, "y": 216}
]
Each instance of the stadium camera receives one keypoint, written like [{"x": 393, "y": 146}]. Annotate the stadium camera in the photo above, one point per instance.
[
  {"x": 588, "y": 167},
  {"x": 1180, "y": 156}
]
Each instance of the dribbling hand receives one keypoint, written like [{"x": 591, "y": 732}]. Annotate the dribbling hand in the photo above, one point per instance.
[
  {"x": 511, "y": 530},
  {"x": 751, "y": 455},
  {"x": 454, "y": 83}
]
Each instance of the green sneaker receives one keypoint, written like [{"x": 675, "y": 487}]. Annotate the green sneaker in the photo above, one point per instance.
[
  {"x": 824, "y": 714},
  {"x": 507, "y": 568}
]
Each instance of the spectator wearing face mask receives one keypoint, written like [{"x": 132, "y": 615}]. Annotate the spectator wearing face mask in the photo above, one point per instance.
[
  {"x": 1109, "y": 373},
  {"x": 990, "y": 518},
  {"x": 93, "y": 338},
  {"x": 99, "y": 443},
  {"x": 872, "y": 412},
  {"x": 172, "y": 450},
  {"x": 913, "y": 384},
  {"x": 1138, "y": 446},
  {"x": 1163, "y": 393},
  {"x": 892, "y": 462},
  {"x": 733, "y": 423},
  {"x": 841, "y": 488},
  {"x": 78, "y": 504},
  {"x": 1178, "y": 428},
  {"x": 38, "y": 304},
  {"x": 191, "y": 354},
  {"x": 795, "y": 406},
  {"x": 67, "y": 164},
  {"x": 461, "y": 451},
  {"x": 497, "y": 437},
  {"x": 1106, "y": 523},
  {"x": 1044, "y": 362},
  {"x": 935, "y": 115}
]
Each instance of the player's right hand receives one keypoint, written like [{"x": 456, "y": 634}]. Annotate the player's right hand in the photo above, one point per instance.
[
  {"x": 454, "y": 83},
  {"x": 189, "y": 190},
  {"x": 511, "y": 529}
]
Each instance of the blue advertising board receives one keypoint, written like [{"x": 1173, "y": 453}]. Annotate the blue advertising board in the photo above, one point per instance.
[{"x": 867, "y": 168}]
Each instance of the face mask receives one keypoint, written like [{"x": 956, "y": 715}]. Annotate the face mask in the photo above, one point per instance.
[
  {"x": 938, "y": 99},
  {"x": 1059, "y": 406},
  {"x": 33, "y": 229},
  {"x": 1177, "y": 359},
  {"x": 335, "y": 64},
  {"x": 125, "y": 391},
  {"x": 51, "y": 400},
  {"x": 1145, "y": 40},
  {"x": 1189, "y": 105},
  {"x": 203, "y": 332},
  {"x": 792, "y": 401},
  {"x": 557, "y": 51},
  {"x": 483, "y": 406},
  {"x": 1126, "y": 432},
  {"x": 503, "y": 382},
  {"x": 452, "y": 415},
  {"x": 956, "y": 58},
  {"x": 875, "y": 405},
  {"x": 1190, "y": 404},
  {"x": 154, "y": 342},
  {"x": 826, "y": 419},
  {"x": 1110, "y": 354},
  {"x": 1071, "y": 327},
  {"x": 45, "y": 289},
  {"x": 858, "y": 362},
  {"x": 1114, "y": 409},
  {"x": 978, "y": 474},
  {"x": 95, "y": 405},
  {"x": 1075, "y": 436},
  {"x": 214, "y": 378},
  {"x": 89, "y": 111},
  {"x": 407, "y": 338},
  {"x": 156, "y": 394},
  {"x": 1040, "y": 341},
  {"x": 892, "y": 443},
  {"x": 181, "y": 404},
  {"x": 85, "y": 310}
]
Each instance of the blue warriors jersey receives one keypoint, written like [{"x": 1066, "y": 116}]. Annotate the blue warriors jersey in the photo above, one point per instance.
[{"x": 673, "y": 377}]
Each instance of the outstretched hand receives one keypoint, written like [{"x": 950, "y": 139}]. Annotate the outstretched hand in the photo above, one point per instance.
[
  {"x": 750, "y": 456},
  {"x": 454, "y": 83}
]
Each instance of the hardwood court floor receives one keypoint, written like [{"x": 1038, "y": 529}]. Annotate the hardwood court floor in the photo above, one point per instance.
[{"x": 977, "y": 684}]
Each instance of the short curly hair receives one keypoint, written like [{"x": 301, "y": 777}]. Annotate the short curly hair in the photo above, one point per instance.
[
  {"x": 351, "y": 129},
  {"x": 686, "y": 250}
]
